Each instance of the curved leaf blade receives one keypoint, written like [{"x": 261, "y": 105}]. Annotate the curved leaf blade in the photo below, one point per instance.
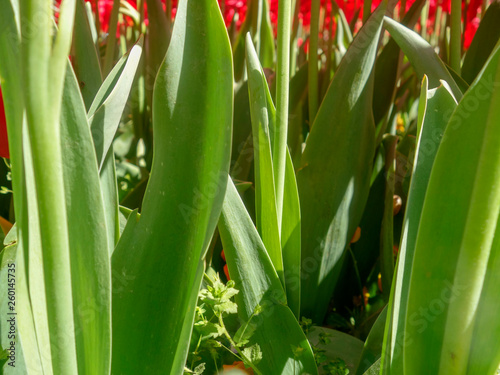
[
  {"x": 421, "y": 55},
  {"x": 333, "y": 182},
  {"x": 434, "y": 105},
  {"x": 455, "y": 262},
  {"x": 192, "y": 105}
]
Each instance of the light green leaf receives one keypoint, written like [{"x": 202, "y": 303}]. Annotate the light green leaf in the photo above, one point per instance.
[
  {"x": 263, "y": 116},
  {"x": 485, "y": 348},
  {"x": 445, "y": 292},
  {"x": 87, "y": 232},
  {"x": 434, "y": 105},
  {"x": 108, "y": 105}
]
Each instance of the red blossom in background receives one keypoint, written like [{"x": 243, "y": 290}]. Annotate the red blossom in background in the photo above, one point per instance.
[
  {"x": 238, "y": 8},
  {"x": 471, "y": 21},
  {"x": 4, "y": 143}
]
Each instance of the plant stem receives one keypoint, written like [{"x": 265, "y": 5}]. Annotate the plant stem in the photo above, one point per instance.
[
  {"x": 456, "y": 35},
  {"x": 282, "y": 83},
  {"x": 313, "y": 61}
]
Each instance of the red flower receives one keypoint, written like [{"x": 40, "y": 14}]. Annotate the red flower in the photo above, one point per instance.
[
  {"x": 4, "y": 143},
  {"x": 471, "y": 21}
]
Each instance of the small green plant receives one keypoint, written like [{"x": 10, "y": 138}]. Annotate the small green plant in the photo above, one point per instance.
[{"x": 211, "y": 336}]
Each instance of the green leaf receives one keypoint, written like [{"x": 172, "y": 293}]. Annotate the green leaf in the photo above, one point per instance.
[
  {"x": 434, "y": 105},
  {"x": 192, "y": 104},
  {"x": 253, "y": 353},
  {"x": 88, "y": 238},
  {"x": 485, "y": 39},
  {"x": 43, "y": 65},
  {"x": 104, "y": 117},
  {"x": 263, "y": 116},
  {"x": 422, "y": 56},
  {"x": 445, "y": 293},
  {"x": 290, "y": 238},
  {"x": 276, "y": 329},
  {"x": 333, "y": 182}
]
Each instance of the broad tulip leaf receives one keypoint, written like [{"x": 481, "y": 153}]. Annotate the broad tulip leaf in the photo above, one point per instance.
[
  {"x": 434, "y": 104},
  {"x": 422, "y": 56},
  {"x": 276, "y": 329},
  {"x": 88, "y": 238},
  {"x": 333, "y": 182},
  {"x": 485, "y": 348},
  {"x": 454, "y": 241},
  {"x": 192, "y": 105}
]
